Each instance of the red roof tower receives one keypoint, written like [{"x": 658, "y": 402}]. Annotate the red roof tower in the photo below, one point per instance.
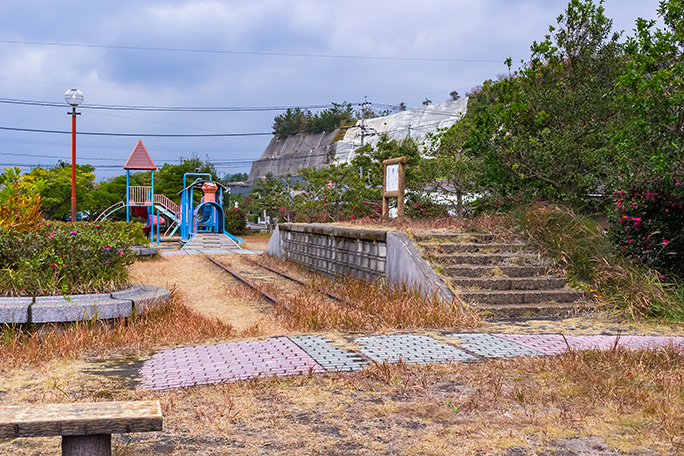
[{"x": 140, "y": 159}]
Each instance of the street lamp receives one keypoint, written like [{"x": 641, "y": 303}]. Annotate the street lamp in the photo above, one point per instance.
[{"x": 74, "y": 97}]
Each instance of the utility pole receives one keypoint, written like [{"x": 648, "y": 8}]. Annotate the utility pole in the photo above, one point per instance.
[{"x": 364, "y": 107}]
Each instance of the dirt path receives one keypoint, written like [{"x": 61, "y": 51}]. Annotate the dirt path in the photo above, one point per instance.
[{"x": 210, "y": 292}]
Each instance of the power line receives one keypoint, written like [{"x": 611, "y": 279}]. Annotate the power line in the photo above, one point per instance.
[
  {"x": 159, "y": 108},
  {"x": 140, "y": 135},
  {"x": 228, "y": 52}
]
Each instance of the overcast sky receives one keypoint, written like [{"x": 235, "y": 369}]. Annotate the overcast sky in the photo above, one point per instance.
[{"x": 262, "y": 54}]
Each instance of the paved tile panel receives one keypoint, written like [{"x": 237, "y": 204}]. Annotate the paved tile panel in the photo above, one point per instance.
[
  {"x": 410, "y": 349},
  {"x": 548, "y": 344},
  {"x": 328, "y": 356},
  {"x": 630, "y": 342},
  {"x": 491, "y": 346},
  {"x": 203, "y": 365}
]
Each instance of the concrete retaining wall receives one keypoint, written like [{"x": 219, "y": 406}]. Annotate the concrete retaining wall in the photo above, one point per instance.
[{"x": 365, "y": 254}]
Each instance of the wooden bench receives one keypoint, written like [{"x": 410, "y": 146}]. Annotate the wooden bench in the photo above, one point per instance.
[{"x": 86, "y": 428}]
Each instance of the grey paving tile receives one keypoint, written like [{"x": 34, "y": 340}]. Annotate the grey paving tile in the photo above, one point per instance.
[
  {"x": 410, "y": 349},
  {"x": 491, "y": 346},
  {"x": 330, "y": 357}
]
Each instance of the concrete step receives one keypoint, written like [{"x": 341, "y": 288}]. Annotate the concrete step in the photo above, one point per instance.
[
  {"x": 493, "y": 271},
  {"x": 516, "y": 297},
  {"x": 503, "y": 259},
  {"x": 508, "y": 283},
  {"x": 454, "y": 238},
  {"x": 534, "y": 310},
  {"x": 210, "y": 241},
  {"x": 447, "y": 248}
]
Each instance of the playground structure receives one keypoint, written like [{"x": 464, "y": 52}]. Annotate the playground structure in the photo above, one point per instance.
[{"x": 203, "y": 223}]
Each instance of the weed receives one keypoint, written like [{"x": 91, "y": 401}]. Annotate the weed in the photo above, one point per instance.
[{"x": 170, "y": 324}]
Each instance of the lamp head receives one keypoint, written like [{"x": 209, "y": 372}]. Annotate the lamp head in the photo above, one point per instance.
[{"x": 74, "y": 97}]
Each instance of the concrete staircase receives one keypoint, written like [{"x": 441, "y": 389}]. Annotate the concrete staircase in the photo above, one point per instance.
[
  {"x": 501, "y": 279},
  {"x": 210, "y": 241}
]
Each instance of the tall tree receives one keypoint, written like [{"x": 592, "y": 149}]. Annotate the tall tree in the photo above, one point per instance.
[
  {"x": 549, "y": 131},
  {"x": 652, "y": 135}
]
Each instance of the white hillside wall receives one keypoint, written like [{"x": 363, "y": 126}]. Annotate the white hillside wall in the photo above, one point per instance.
[{"x": 423, "y": 120}]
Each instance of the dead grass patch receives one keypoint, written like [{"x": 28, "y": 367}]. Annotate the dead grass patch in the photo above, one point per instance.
[
  {"x": 364, "y": 306},
  {"x": 211, "y": 292},
  {"x": 614, "y": 402},
  {"x": 169, "y": 325}
]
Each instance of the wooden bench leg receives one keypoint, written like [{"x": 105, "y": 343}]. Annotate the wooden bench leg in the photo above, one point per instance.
[{"x": 87, "y": 445}]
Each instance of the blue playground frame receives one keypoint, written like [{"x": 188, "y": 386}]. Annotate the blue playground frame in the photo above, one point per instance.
[{"x": 206, "y": 217}]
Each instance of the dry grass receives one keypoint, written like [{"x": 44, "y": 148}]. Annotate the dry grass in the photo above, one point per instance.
[
  {"x": 364, "y": 307},
  {"x": 614, "y": 402},
  {"x": 498, "y": 224},
  {"x": 169, "y": 325},
  {"x": 210, "y": 292}
]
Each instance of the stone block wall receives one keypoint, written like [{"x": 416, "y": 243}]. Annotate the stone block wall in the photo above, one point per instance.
[{"x": 335, "y": 251}]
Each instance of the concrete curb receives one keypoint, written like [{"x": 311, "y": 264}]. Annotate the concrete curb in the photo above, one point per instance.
[{"x": 61, "y": 309}]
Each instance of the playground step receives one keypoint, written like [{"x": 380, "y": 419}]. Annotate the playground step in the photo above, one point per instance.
[{"x": 210, "y": 241}]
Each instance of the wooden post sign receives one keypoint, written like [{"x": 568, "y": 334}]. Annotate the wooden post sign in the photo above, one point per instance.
[{"x": 393, "y": 186}]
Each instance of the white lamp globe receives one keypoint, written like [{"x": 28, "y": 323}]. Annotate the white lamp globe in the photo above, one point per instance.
[{"x": 74, "y": 97}]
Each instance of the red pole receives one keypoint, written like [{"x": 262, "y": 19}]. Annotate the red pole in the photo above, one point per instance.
[{"x": 73, "y": 165}]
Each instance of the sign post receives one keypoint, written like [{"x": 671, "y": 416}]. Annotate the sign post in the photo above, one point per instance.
[{"x": 393, "y": 186}]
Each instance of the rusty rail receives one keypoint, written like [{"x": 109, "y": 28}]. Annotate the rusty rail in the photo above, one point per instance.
[
  {"x": 247, "y": 282},
  {"x": 296, "y": 280}
]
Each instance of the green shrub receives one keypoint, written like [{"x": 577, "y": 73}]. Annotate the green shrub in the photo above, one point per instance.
[
  {"x": 68, "y": 258},
  {"x": 648, "y": 225},
  {"x": 235, "y": 221}
]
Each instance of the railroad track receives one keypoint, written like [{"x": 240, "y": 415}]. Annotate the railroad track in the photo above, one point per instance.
[{"x": 256, "y": 275}]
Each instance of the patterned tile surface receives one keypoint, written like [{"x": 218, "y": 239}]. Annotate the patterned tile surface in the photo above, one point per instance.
[
  {"x": 328, "y": 356},
  {"x": 491, "y": 346},
  {"x": 281, "y": 356},
  {"x": 202, "y": 365},
  {"x": 548, "y": 344},
  {"x": 410, "y": 349}
]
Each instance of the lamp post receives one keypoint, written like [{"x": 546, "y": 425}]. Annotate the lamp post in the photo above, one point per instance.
[{"x": 74, "y": 97}]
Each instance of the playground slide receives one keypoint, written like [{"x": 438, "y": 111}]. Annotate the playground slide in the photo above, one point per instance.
[{"x": 141, "y": 212}]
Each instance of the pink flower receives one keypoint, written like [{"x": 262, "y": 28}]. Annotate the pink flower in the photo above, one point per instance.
[
  {"x": 120, "y": 252},
  {"x": 53, "y": 266},
  {"x": 665, "y": 242},
  {"x": 107, "y": 247},
  {"x": 73, "y": 232},
  {"x": 51, "y": 235}
]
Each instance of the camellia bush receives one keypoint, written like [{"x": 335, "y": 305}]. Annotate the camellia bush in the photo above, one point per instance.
[
  {"x": 67, "y": 258},
  {"x": 648, "y": 225}
]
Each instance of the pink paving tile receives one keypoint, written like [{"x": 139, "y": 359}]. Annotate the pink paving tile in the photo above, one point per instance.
[{"x": 190, "y": 366}]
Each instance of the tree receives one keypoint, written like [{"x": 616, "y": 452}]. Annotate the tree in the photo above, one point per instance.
[
  {"x": 549, "y": 131},
  {"x": 268, "y": 195},
  {"x": 453, "y": 170},
  {"x": 54, "y": 187},
  {"x": 330, "y": 192},
  {"x": 651, "y": 139},
  {"x": 454, "y": 95}
]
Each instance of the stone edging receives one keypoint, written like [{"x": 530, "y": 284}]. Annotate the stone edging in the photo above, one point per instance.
[{"x": 60, "y": 309}]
